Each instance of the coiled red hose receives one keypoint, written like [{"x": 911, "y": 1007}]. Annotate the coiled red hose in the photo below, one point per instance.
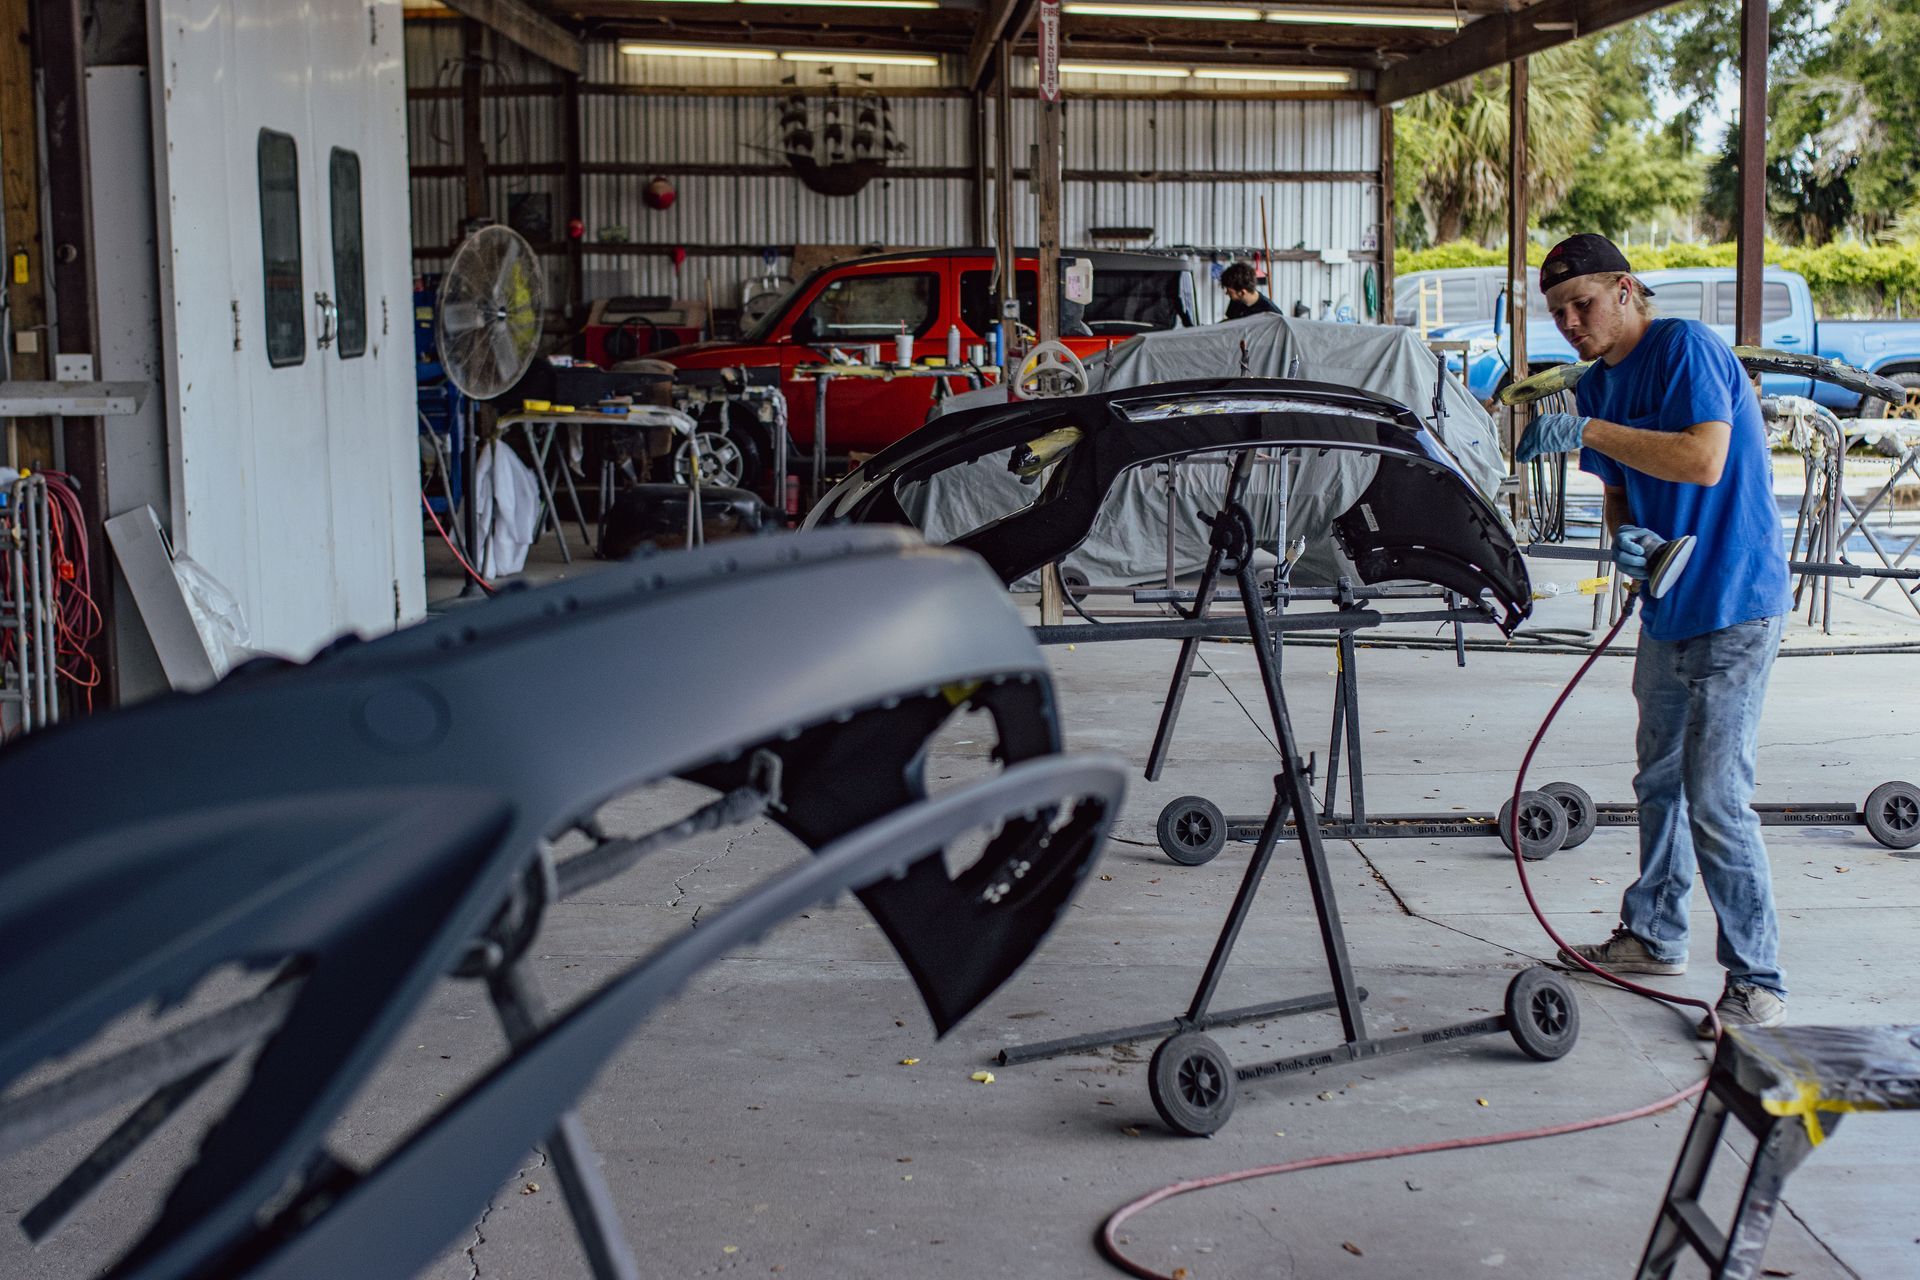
[{"x": 1108, "y": 1238}]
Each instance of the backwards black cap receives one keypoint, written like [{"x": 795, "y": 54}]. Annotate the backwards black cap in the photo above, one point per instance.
[{"x": 1584, "y": 255}]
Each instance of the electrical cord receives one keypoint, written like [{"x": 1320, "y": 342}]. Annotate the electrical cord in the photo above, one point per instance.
[
  {"x": 1108, "y": 1237},
  {"x": 473, "y": 573},
  {"x": 68, "y": 596}
]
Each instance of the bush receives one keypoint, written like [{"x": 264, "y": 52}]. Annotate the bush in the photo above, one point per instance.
[{"x": 1846, "y": 277}]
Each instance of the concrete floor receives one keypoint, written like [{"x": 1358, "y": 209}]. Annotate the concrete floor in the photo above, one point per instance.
[{"x": 766, "y": 1123}]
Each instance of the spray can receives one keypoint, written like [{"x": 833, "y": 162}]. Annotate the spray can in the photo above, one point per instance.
[
  {"x": 953, "y": 346},
  {"x": 999, "y": 345},
  {"x": 903, "y": 347}
]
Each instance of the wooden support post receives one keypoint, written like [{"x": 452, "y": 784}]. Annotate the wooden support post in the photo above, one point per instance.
[
  {"x": 982, "y": 212},
  {"x": 1517, "y": 174},
  {"x": 1386, "y": 217},
  {"x": 1003, "y": 185},
  {"x": 1751, "y": 235},
  {"x": 1046, "y": 171},
  {"x": 1046, "y": 190},
  {"x": 574, "y": 204},
  {"x": 29, "y": 442},
  {"x": 473, "y": 153},
  {"x": 61, "y": 52}
]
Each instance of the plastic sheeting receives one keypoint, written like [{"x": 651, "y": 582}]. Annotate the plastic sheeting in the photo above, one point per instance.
[
  {"x": 506, "y": 508},
  {"x": 1128, "y": 543},
  {"x": 1808, "y": 1071}
]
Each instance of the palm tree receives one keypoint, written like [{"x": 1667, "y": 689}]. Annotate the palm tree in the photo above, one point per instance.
[{"x": 1452, "y": 144}]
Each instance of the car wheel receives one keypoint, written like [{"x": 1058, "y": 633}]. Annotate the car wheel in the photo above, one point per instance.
[{"x": 731, "y": 456}]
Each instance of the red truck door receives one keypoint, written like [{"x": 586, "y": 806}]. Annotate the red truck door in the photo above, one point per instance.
[
  {"x": 857, "y": 308},
  {"x": 979, "y": 308}
]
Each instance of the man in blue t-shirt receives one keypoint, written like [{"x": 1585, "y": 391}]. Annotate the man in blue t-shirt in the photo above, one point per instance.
[{"x": 1668, "y": 421}]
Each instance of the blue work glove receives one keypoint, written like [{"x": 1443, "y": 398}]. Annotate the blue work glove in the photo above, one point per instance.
[
  {"x": 1631, "y": 544},
  {"x": 1550, "y": 433}
]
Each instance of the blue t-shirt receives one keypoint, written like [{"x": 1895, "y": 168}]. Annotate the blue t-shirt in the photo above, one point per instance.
[{"x": 1681, "y": 373}]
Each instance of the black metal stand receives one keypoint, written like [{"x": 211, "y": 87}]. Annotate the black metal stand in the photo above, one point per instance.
[
  {"x": 1192, "y": 830},
  {"x": 1192, "y": 1079}
]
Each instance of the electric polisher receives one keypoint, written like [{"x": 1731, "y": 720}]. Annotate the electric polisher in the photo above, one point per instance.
[{"x": 1666, "y": 561}]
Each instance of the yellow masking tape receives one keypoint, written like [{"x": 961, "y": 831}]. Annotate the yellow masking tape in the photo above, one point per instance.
[
  {"x": 960, "y": 691},
  {"x": 1808, "y": 1101},
  {"x": 1808, "y": 1106}
]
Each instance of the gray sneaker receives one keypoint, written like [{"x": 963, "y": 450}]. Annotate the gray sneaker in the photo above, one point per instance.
[
  {"x": 1625, "y": 953},
  {"x": 1745, "y": 1005}
]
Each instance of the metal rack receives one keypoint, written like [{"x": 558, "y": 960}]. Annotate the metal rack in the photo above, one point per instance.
[
  {"x": 27, "y": 642},
  {"x": 1192, "y": 1080}
]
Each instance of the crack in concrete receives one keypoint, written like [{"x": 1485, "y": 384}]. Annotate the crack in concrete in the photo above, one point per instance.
[
  {"x": 1818, "y": 1239},
  {"x": 680, "y": 881},
  {"x": 479, "y": 1234},
  {"x": 1383, "y": 882}
]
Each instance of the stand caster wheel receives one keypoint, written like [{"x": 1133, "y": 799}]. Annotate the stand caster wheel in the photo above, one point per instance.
[
  {"x": 1542, "y": 1013},
  {"x": 1582, "y": 817},
  {"x": 1543, "y": 825},
  {"x": 1192, "y": 830},
  {"x": 1191, "y": 1080},
  {"x": 1893, "y": 814}
]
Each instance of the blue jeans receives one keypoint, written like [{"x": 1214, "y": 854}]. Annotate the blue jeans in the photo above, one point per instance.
[{"x": 1700, "y": 702}]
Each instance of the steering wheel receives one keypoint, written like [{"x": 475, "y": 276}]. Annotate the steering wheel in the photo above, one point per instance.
[
  {"x": 1050, "y": 369},
  {"x": 623, "y": 341}
]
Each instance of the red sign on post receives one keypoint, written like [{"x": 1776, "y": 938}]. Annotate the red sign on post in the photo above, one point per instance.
[{"x": 1050, "y": 50}]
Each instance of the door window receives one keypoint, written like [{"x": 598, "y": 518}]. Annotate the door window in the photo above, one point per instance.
[
  {"x": 349, "y": 252},
  {"x": 1775, "y": 304},
  {"x": 980, "y": 306},
  {"x": 1126, "y": 302},
  {"x": 280, "y": 249},
  {"x": 872, "y": 307},
  {"x": 1681, "y": 301},
  {"x": 1460, "y": 301}
]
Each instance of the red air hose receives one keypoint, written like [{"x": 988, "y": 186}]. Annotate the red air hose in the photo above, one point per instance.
[
  {"x": 473, "y": 573},
  {"x": 1108, "y": 1238}
]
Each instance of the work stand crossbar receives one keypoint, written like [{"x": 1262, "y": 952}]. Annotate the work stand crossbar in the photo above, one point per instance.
[{"x": 1191, "y": 1078}]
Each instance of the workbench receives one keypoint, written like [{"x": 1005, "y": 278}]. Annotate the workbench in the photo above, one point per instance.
[
  {"x": 823, "y": 375},
  {"x": 539, "y": 426}
]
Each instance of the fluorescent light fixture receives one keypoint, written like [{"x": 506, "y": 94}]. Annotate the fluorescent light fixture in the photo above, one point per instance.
[
  {"x": 1309, "y": 75},
  {"x": 1431, "y": 19},
  {"x": 1194, "y": 12},
  {"x": 691, "y": 51},
  {"x": 870, "y": 59},
  {"x": 849, "y": 4},
  {"x": 1123, "y": 69}
]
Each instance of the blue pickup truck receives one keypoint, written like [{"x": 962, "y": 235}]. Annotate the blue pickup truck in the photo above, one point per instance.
[{"x": 1887, "y": 347}]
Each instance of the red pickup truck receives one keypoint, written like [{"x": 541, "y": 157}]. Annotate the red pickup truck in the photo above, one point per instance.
[{"x": 866, "y": 301}]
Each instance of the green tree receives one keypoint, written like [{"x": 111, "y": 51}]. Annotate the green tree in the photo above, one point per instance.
[
  {"x": 1698, "y": 43},
  {"x": 1631, "y": 175},
  {"x": 1843, "y": 105},
  {"x": 1451, "y": 166}
]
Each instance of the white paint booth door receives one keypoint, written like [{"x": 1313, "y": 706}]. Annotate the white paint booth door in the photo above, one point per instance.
[
  {"x": 295, "y": 458},
  {"x": 358, "y": 163}
]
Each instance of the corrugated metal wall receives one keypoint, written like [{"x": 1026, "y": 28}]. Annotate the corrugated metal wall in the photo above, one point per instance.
[{"x": 1202, "y": 220}]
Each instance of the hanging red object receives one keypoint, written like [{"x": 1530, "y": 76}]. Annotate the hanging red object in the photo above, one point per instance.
[
  {"x": 576, "y": 229},
  {"x": 679, "y": 256},
  {"x": 659, "y": 194}
]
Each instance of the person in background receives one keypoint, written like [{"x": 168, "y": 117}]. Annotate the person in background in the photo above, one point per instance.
[
  {"x": 1668, "y": 421},
  {"x": 1242, "y": 298}
]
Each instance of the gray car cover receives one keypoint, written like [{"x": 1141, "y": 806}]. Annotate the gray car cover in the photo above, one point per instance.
[{"x": 1129, "y": 541}]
